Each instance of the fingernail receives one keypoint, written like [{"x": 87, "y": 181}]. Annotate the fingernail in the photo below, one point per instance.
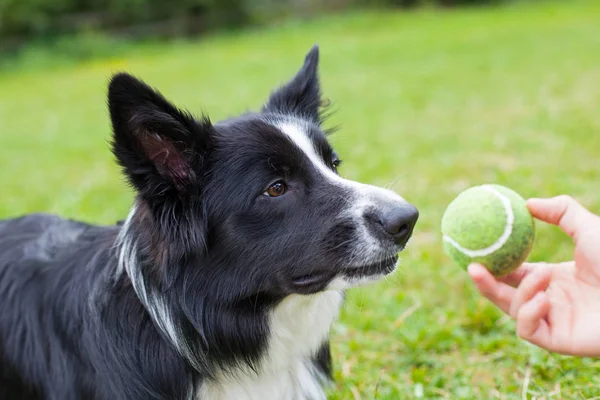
[{"x": 474, "y": 269}]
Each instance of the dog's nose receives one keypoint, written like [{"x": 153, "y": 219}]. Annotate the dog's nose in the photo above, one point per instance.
[{"x": 399, "y": 222}]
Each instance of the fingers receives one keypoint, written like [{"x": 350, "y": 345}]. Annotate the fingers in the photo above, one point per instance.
[
  {"x": 528, "y": 304},
  {"x": 535, "y": 282},
  {"x": 532, "y": 324},
  {"x": 515, "y": 277},
  {"x": 530, "y": 278},
  {"x": 497, "y": 292},
  {"x": 565, "y": 212}
]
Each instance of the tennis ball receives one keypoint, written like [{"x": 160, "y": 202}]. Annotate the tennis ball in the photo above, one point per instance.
[{"x": 490, "y": 225}]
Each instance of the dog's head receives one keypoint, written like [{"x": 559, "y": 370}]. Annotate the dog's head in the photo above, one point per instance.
[{"x": 254, "y": 204}]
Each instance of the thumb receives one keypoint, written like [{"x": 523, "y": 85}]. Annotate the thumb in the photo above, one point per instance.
[{"x": 565, "y": 212}]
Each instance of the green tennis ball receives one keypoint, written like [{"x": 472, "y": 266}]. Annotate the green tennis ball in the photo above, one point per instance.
[{"x": 490, "y": 225}]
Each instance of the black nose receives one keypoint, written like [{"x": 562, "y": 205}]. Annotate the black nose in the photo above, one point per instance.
[{"x": 399, "y": 222}]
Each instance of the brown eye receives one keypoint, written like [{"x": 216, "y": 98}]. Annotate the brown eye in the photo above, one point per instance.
[{"x": 276, "y": 189}]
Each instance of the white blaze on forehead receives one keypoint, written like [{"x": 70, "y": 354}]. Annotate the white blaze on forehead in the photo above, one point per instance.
[
  {"x": 296, "y": 132},
  {"x": 361, "y": 197},
  {"x": 300, "y": 138}
]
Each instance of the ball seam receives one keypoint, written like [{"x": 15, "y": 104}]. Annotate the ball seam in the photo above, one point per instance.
[{"x": 497, "y": 245}]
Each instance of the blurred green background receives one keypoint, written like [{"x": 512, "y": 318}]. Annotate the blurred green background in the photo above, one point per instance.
[{"x": 431, "y": 99}]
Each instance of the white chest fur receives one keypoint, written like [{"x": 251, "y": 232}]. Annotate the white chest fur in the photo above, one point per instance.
[{"x": 299, "y": 325}]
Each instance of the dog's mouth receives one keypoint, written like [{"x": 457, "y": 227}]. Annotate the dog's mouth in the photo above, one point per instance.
[
  {"x": 313, "y": 282},
  {"x": 382, "y": 267},
  {"x": 318, "y": 280}
]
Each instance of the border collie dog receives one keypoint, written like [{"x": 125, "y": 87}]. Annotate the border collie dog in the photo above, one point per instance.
[{"x": 225, "y": 278}]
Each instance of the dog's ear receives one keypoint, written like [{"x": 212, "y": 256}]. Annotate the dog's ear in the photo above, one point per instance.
[
  {"x": 160, "y": 148},
  {"x": 301, "y": 96}
]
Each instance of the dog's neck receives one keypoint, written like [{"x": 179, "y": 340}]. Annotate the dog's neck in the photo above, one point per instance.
[{"x": 299, "y": 326}]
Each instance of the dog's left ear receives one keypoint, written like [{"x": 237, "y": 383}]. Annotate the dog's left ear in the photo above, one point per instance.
[
  {"x": 301, "y": 96},
  {"x": 162, "y": 149}
]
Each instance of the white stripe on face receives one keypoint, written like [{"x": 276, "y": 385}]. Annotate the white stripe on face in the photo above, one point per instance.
[
  {"x": 361, "y": 198},
  {"x": 295, "y": 131},
  {"x": 297, "y": 134}
]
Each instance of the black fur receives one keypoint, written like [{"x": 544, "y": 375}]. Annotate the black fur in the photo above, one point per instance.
[{"x": 153, "y": 307}]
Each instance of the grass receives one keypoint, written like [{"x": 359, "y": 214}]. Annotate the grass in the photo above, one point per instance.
[{"x": 430, "y": 103}]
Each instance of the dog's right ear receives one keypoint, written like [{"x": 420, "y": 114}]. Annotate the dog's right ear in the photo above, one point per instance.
[
  {"x": 301, "y": 96},
  {"x": 160, "y": 148}
]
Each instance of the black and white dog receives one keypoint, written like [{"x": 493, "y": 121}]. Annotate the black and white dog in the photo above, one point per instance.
[{"x": 226, "y": 276}]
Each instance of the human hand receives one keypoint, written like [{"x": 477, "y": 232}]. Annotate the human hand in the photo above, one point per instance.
[{"x": 555, "y": 306}]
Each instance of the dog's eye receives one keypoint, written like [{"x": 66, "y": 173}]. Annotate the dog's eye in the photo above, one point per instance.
[
  {"x": 336, "y": 163},
  {"x": 275, "y": 190}
]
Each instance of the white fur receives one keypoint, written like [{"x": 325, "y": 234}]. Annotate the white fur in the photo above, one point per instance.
[
  {"x": 128, "y": 263},
  {"x": 363, "y": 196},
  {"x": 299, "y": 326},
  {"x": 343, "y": 283},
  {"x": 161, "y": 314}
]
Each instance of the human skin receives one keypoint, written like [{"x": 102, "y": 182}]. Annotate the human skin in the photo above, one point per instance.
[{"x": 556, "y": 306}]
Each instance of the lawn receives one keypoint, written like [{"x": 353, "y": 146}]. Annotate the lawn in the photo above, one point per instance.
[{"x": 429, "y": 104}]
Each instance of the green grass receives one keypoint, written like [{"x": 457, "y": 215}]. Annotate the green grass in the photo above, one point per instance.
[{"x": 430, "y": 103}]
